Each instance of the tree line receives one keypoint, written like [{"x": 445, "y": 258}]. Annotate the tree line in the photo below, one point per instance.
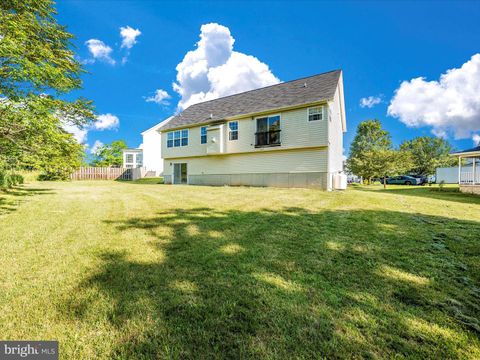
[{"x": 372, "y": 154}]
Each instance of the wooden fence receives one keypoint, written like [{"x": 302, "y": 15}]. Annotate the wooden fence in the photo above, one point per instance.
[{"x": 106, "y": 173}]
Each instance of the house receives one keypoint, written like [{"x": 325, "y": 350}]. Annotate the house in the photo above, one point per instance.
[
  {"x": 285, "y": 135},
  {"x": 132, "y": 158},
  {"x": 149, "y": 154},
  {"x": 469, "y": 179},
  {"x": 449, "y": 175}
]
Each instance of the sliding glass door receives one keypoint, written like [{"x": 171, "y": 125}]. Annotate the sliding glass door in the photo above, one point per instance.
[{"x": 180, "y": 175}]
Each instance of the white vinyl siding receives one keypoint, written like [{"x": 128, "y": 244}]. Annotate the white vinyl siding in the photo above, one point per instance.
[
  {"x": 290, "y": 161},
  {"x": 296, "y": 132}
]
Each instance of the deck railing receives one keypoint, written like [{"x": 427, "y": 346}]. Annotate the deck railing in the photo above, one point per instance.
[{"x": 466, "y": 178}]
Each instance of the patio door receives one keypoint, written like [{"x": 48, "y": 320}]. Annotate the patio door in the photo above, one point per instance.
[{"x": 180, "y": 173}]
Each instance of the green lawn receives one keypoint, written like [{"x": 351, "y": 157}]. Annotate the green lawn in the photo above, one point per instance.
[{"x": 122, "y": 270}]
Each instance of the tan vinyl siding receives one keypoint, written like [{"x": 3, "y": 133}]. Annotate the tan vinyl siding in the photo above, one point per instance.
[
  {"x": 287, "y": 161},
  {"x": 296, "y": 132}
]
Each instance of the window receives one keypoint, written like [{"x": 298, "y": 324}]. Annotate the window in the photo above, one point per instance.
[
  {"x": 268, "y": 131},
  {"x": 129, "y": 158},
  {"x": 233, "y": 130},
  {"x": 315, "y": 113},
  {"x": 139, "y": 159},
  {"x": 203, "y": 135},
  {"x": 177, "y": 138},
  {"x": 184, "y": 137}
]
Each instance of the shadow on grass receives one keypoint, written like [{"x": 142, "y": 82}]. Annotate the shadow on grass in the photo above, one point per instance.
[
  {"x": 448, "y": 194},
  {"x": 144, "y": 181},
  {"x": 289, "y": 284},
  {"x": 10, "y": 199}
]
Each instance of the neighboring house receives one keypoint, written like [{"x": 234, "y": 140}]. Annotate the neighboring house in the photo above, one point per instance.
[
  {"x": 286, "y": 135},
  {"x": 449, "y": 175},
  {"x": 152, "y": 149},
  {"x": 149, "y": 153},
  {"x": 469, "y": 179},
  {"x": 132, "y": 158}
]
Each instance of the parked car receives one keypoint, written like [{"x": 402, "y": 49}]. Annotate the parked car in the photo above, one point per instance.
[
  {"x": 403, "y": 180},
  {"x": 423, "y": 179}
]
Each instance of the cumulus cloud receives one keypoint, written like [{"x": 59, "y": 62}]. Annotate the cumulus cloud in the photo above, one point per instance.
[
  {"x": 370, "y": 101},
  {"x": 449, "y": 105},
  {"x": 99, "y": 51},
  {"x": 476, "y": 139},
  {"x": 97, "y": 145},
  {"x": 160, "y": 97},
  {"x": 129, "y": 36},
  {"x": 80, "y": 134},
  {"x": 106, "y": 122},
  {"x": 214, "y": 69}
]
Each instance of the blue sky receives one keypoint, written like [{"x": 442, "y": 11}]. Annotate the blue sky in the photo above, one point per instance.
[{"x": 378, "y": 45}]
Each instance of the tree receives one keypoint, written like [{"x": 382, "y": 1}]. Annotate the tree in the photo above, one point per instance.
[
  {"x": 428, "y": 153},
  {"x": 369, "y": 139},
  {"x": 391, "y": 163},
  {"x": 37, "y": 67},
  {"x": 110, "y": 154}
]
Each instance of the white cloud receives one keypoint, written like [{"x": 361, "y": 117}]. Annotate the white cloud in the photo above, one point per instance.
[
  {"x": 129, "y": 36},
  {"x": 476, "y": 139},
  {"x": 160, "y": 97},
  {"x": 451, "y": 104},
  {"x": 106, "y": 122},
  {"x": 214, "y": 70},
  {"x": 80, "y": 134},
  {"x": 99, "y": 51},
  {"x": 97, "y": 145},
  {"x": 370, "y": 101}
]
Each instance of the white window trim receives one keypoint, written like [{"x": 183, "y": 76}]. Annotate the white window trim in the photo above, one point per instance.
[
  {"x": 316, "y": 107},
  {"x": 229, "y": 131},
  {"x": 173, "y": 143},
  {"x": 267, "y": 116},
  {"x": 206, "y": 135}
]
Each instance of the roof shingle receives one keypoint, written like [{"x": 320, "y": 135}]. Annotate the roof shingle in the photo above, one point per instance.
[{"x": 292, "y": 93}]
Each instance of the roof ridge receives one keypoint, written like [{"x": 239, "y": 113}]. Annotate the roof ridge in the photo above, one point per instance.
[{"x": 261, "y": 88}]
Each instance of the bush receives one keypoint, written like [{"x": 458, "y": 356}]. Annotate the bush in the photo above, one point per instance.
[
  {"x": 7, "y": 180},
  {"x": 55, "y": 174}
]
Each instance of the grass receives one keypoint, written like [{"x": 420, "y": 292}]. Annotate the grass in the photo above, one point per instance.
[{"x": 121, "y": 270}]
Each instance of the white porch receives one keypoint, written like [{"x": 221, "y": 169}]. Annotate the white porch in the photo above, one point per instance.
[{"x": 469, "y": 181}]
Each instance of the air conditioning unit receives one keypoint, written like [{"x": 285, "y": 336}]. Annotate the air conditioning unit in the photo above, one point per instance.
[{"x": 340, "y": 181}]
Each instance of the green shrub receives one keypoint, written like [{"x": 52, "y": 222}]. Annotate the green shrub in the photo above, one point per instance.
[
  {"x": 55, "y": 174},
  {"x": 17, "y": 179},
  {"x": 7, "y": 180}
]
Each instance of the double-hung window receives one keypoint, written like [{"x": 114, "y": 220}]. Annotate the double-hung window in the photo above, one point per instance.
[
  {"x": 315, "y": 113},
  {"x": 177, "y": 138},
  {"x": 184, "y": 137},
  {"x": 203, "y": 135},
  {"x": 268, "y": 131},
  {"x": 233, "y": 130},
  {"x": 170, "y": 139}
]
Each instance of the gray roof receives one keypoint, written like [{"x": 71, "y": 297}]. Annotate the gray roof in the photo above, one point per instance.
[
  {"x": 291, "y": 93},
  {"x": 475, "y": 149}
]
